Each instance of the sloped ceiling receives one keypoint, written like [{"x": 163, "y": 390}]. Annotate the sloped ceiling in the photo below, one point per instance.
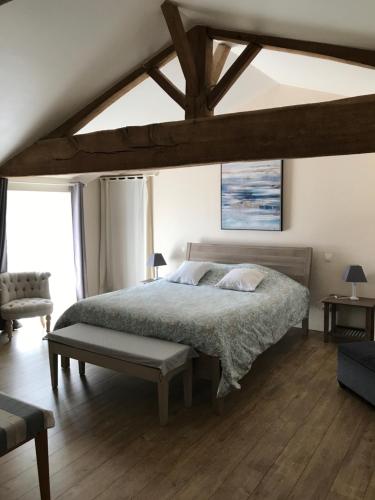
[
  {"x": 147, "y": 103},
  {"x": 315, "y": 73},
  {"x": 56, "y": 56}
]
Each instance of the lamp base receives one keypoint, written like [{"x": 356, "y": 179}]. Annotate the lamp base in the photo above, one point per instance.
[{"x": 354, "y": 292}]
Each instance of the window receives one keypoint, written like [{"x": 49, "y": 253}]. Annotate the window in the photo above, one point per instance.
[{"x": 40, "y": 238}]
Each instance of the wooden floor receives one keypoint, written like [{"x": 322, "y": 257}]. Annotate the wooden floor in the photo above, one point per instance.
[{"x": 291, "y": 432}]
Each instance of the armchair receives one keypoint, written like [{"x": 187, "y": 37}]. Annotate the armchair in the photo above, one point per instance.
[{"x": 24, "y": 295}]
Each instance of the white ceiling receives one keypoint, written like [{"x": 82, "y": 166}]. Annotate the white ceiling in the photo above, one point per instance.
[
  {"x": 314, "y": 73},
  {"x": 56, "y": 56}
]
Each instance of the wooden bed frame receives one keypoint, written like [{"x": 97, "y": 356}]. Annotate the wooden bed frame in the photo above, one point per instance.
[{"x": 295, "y": 262}]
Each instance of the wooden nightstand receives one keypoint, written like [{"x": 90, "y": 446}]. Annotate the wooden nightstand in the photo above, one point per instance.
[{"x": 345, "y": 333}]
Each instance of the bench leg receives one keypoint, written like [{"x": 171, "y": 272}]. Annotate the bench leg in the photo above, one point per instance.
[
  {"x": 163, "y": 396},
  {"x": 65, "y": 363},
  {"x": 9, "y": 328},
  {"x": 53, "y": 368},
  {"x": 188, "y": 385},
  {"x": 41, "y": 448},
  {"x": 48, "y": 323},
  {"x": 81, "y": 366}
]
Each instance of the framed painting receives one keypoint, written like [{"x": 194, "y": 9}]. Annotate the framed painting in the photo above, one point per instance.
[{"x": 252, "y": 195}]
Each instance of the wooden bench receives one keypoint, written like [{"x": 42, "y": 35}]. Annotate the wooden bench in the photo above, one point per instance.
[
  {"x": 143, "y": 357},
  {"x": 21, "y": 422}
]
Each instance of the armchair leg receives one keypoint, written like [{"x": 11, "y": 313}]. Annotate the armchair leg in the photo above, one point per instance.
[
  {"x": 43, "y": 321},
  {"x": 48, "y": 323},
  {"x": 9, "y": 328}
]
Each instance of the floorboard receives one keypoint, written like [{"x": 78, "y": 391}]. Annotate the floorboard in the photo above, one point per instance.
[{"x": 289, "y": 433}]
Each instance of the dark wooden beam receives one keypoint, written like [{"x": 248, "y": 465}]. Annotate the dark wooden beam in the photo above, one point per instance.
[
  {"x": 111, "y": 95},
  {"x": 339, "y": 127},
  {"x": 202, "y": 49},
  {"x": 181, "y": 43},
  {"x": 168, "y": 87},
  {"x": 232, "y": 74},
  {"x": 351, "y": 55},
  {"x": 221, "y": 54}
]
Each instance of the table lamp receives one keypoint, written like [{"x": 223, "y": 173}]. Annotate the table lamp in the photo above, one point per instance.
[
  {"x": 354, "y": 275},
  {"x": 155, "y": 260}
]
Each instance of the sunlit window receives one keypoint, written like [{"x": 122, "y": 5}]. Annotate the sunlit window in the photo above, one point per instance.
[{"x": 40, "y": 238}]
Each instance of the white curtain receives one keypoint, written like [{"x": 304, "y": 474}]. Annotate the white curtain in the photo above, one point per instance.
[{"x": 125, "y": 231}]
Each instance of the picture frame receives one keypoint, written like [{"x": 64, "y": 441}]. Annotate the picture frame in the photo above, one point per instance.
[{"x": 252, "y": 195}]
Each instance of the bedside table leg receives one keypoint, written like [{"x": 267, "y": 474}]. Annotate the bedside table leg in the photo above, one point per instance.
[
  {"x": 326, "y": 322},
  {"x": 333, "y": 318},
  {"x": 370, "y": 324}
]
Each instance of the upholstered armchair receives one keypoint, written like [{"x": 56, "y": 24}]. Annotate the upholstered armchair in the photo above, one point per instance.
[{"x": 24, "y": 295}]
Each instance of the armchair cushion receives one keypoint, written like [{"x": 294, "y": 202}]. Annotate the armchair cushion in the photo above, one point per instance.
[
  {"x": 26, "y": 308},
  {"x": 14, "y": 286}
]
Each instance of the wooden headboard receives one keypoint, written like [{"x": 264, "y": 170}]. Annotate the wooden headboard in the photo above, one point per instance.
[{"x": 295, "y": 262}]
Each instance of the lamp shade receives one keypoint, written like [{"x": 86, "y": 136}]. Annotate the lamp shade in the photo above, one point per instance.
[
  {"x": 155, "y": 260},
  {"x": 354, "y": 274}
]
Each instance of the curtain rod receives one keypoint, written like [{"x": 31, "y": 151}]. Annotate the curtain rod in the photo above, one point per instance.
[
  {"x": 125, "y": 177},
  {"x": 43, "y": 182},
  {"x": 46, "y": 184}
]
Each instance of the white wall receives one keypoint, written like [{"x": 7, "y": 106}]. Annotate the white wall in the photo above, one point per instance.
[{"x": 328, "y": 205}]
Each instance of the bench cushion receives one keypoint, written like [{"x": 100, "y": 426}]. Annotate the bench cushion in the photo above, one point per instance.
[
  {"x": 146, "y": 351},
  {"x": 20, "y": 422},
  {"x": 361, "y": 352}
]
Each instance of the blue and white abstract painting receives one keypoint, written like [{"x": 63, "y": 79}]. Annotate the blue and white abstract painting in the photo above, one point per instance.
[{"x": 251, "y": 195}]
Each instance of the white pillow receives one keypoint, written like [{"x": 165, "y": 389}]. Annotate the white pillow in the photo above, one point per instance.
[
  {"x": 241, "y": 279},
  {"x": 189, "y": 273}
]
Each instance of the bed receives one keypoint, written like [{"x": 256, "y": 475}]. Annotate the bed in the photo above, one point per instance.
[{"x": 229, "y": 329}]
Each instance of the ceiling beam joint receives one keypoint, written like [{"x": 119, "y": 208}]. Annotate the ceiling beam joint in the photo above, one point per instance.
[
  {"x": 220, "y": 57},
  {"x": 168, "y": 86},
  {"x": 232, "y": 74}
]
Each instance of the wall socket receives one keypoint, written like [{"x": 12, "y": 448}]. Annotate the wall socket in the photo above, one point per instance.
[{"x": 328, "y": 256}]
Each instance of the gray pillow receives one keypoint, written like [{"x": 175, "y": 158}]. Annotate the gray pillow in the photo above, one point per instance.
[
  {"x": 189, "y": 272},
  {"x": 241, "y": 280}
]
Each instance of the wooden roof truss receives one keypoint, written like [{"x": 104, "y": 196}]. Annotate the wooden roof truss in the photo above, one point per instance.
[{"x": 345, "y": 126}]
